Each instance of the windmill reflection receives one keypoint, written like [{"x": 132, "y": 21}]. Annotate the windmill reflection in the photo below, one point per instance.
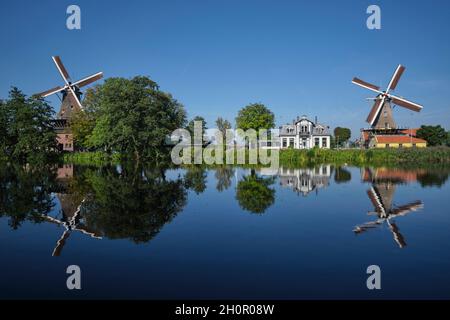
[
  {"x": 69, "y": 216},
  {"x": 381, "y": 194}
]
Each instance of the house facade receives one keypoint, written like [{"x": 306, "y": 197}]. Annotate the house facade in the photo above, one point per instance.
[{"x": 304, "y": 134}]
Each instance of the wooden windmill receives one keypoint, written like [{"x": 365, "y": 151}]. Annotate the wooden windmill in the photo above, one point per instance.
[
  {"x": 71, "y": 102},
  {"x": 381, "y": 194},
  {"x": 380, "y": 117}
]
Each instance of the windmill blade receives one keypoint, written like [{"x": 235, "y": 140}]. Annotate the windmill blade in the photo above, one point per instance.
[
  {"x": 73, "y": 98},
  {"x": 395, "y": 78},
  {"x": 88, "y": 80},
  {"x": 366, "y": 85},
  {"x": 50, "y": 92},
  {"x": 405, "y": 103},
  {"x": 62, "y": 70},
  {"x": 398, "y": 237},
  {"x": 375, "y": 110}
]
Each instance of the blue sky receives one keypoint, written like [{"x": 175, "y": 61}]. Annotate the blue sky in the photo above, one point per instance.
[{"x": 296, "y": 57}]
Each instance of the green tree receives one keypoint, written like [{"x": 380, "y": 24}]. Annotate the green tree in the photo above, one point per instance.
[
  {"x": 134, "y": 117},
  {"x": 190, "y": 127},
  {"x": 28, "y": 135},
  {"x": 254, "y": 194},
  {"x": 255, "y": 116},
  {"x": 342, "y": 135},
  {"x": 83, "y": 123},
  {"x": 223, "y": 125},
  {"x": 434, "y": 135},
  {"x": 448, "y": 139}
]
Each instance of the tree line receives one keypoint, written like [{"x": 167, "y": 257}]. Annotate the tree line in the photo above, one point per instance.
[{"x": 132, "y": 117}]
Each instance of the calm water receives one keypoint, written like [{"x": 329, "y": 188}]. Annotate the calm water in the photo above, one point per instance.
[{"x": 226, "y": 233}]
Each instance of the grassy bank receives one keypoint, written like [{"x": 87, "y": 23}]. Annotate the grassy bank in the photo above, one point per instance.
[
  {"x": 427, "y": 156},
  {"x": 296, "y": 158}
]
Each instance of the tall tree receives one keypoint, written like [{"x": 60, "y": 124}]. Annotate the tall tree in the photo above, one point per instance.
[
  {"x": 190, "y": 127},
  {"x": 134, "y": 117},
  {"x": 29, "y": 134},
  {"x": 223, "y": 125},
  {"x": 83, "y": 123},
  {"x": 434, "y": 135},
  {"x": 255, "y": 116},
  {"x": 342, "y": 135}
]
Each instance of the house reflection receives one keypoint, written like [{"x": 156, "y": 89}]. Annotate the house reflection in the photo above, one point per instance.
[
  {"x": 306, "y": 180},
  {"x": 381, "y": 194}
]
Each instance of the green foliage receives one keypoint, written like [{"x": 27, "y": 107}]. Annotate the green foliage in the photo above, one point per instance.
[
  {"x": 190, "y": 126},
  {"x": 434, "y": 135},
  {"x": 254, "y": 193},
  {"x": 359, "y": 157},
  {"x": 27, "y": 135},
  {"x": 341, "y": 135},
  {"x": 255, "y": 116},
  {"x": 133, "y": 117},
  {"x": 223, "y": 125}
]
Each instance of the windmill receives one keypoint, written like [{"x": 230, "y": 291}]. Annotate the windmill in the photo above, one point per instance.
[
  {"x": 71, "y": 97},
  {"x": 380, "y": 117}
]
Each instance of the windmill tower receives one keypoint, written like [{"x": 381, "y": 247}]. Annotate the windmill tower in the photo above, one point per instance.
[
  {"x": 70, "y": 103},
  {"x": 380, "y": 116}
]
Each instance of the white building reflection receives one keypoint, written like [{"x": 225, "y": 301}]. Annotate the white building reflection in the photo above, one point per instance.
[{"x": 303, "y": 181}]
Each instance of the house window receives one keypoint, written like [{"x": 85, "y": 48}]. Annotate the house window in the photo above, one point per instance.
[
  {"x": 400, "y": 145},
  {"x": 67, "y": 136},
  {"x": 387, "y": 145},
  {"x": 304, "y": 142},
  {"x": 291, "y": 142},
  {"x": 284, "y": 143},
  {"x": 414, "y": 145},
  {"x": 324, "y": 142},
  {"x": 316, "y": 142}
]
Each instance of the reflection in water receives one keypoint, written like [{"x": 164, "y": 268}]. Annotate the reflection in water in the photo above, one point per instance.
[
  {"x": 126, "y": 202},
  {"x": 381, "y": 194},
  {"x": 254, "y": 193},
  {"x": 304, "y": 181},
  {"x": 223, "y": 176}
]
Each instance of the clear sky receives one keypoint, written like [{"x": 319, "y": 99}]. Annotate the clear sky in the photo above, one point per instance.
[{"x": 296, "y": 57}]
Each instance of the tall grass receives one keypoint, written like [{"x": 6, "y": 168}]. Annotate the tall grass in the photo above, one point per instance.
[{"x": 360, "y": 157}]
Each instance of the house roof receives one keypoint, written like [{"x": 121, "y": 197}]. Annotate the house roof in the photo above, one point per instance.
[
  {"x": 397, "y": 139},
  {"x": 412, "y": 132}
]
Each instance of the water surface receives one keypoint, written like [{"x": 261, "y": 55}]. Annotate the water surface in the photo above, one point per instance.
[{"x": 226, "y": 233}]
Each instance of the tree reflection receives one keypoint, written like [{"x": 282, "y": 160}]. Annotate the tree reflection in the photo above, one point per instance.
[
  {"x": 132, "y": 204},
  {"x": 342, "y": 175},
  {"x": 223, "y": 176},
  {"x": 25, "y": 194},
  {"x": 195, "y": 179},
  {"x": 254, "y": 194}
]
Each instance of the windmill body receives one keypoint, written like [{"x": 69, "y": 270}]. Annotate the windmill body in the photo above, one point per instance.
[{"x": 70, "y": 103}]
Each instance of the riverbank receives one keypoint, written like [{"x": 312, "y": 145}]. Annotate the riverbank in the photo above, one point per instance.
[
  {"x": 295, "y": 158},
  {"x": 358, "y": 157}
]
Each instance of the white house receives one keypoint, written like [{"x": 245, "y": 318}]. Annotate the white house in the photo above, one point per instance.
[{"x": 304, "y": 134}]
